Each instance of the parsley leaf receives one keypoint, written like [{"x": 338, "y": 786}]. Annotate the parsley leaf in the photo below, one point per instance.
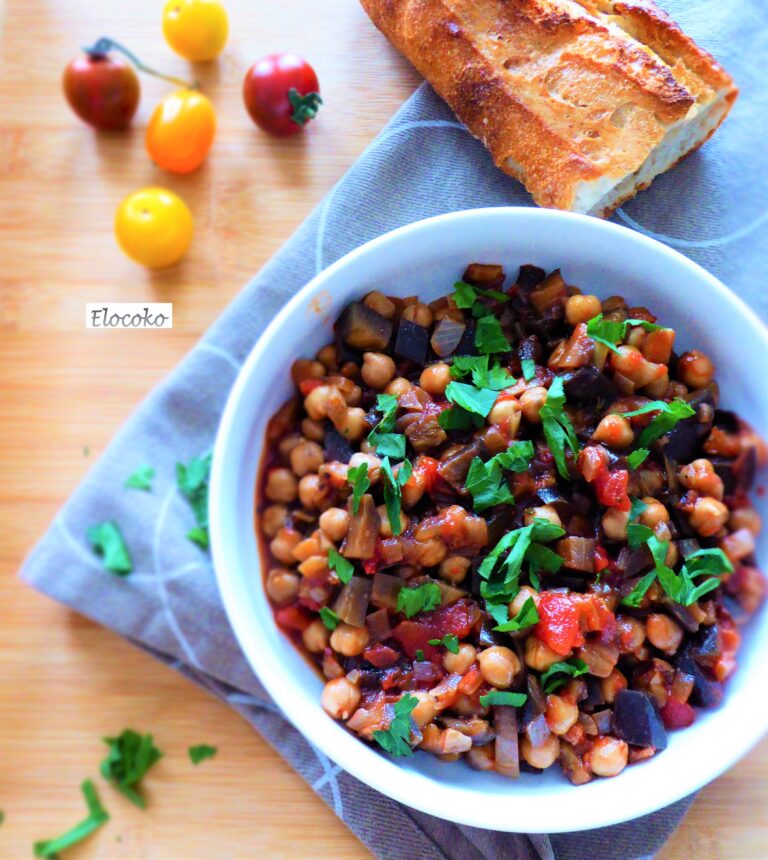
[
  {"x": 130, "y": 756},
  {"x": 487, "y": 485},
  {"x": 558, "y": 674},
  {"x": 357, "y": 478},
  {"x": 526, "y": 617},
  {"x": 424, "y": 598},
  {"x": 97, "y": 816},
  {"x": 517, "y": 457},
  {"x": 489, "y": 336},
  {"x": 393, "y": 494},
  {"x": 477, "y": 400},
  {"x": 141, "y": 479},
  {"x": 669, "y": 415},
  {"x": 528, "y": 367},
  {"x": 201, "y": 752},
  {"x": 458, "y": 419},
  {"x": 635, "y": 597},
  {"x": 557, "y": 427},
  {"x": 397, "y": 738},
  {"x": 419, "y": 656},
  {"x": 499, "y": 697},
  {"x": 465, "y": 295},
  {"x": 611, "y": 332},
  {"x": 450, "y": 641},
  {"x": 637, "y": 457},
  {"x": 343, "y": 567},
  {"x": 329, "y": 617},
  {"x": 638, "y": 534},
  {"x": 636, "y": 508},
  {"x": 192, "y": 482},
  {"x": 381, "y": 438},
  {"x": 483, "y": 376},
  {"x": 107, "y": 541},
  {"x": 389, "y": 445},
  {"x": 539, "y": 556}
]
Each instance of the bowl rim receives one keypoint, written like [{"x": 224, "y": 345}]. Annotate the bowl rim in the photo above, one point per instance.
[{"x": 350, "y": 756}]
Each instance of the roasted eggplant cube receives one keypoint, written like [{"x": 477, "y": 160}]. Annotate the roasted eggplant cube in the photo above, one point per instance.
[
  {"x": 636, "y": 720},
  {"x": 363, "y": 328},
  {"x": 412, "y": 342}
]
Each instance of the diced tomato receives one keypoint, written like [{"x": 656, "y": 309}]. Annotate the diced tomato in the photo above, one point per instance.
[
  {"x": 601, "y": 558},
  {"x": 677, "y": 715},
  {"x": 413, "y": 636},
  {"x": 371, "y": 565},
  {"x": 395, "y": 676},
  {"x": 427, "y": 468},
  {"x": 471, "y": 681},
  {"x": 611, "y": 489},
  {"x": 307, "y": 385},
  {"x": 558, "y": 626},
  {"x": 382, "y": 656},
  {"x": 726, "y": 662},
  {"x": 294, "y": 617},
  {"x": 458, "y": 618}
]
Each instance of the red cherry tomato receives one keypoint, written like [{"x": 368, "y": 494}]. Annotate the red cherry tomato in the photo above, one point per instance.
[
  {"x": 281, "y": 93},
  {"x": 102, "y": 90}
]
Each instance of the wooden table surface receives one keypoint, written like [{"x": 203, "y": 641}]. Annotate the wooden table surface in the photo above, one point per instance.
[{"x": 64, "y": 391}]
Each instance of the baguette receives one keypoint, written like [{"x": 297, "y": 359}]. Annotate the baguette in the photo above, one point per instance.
[{"x": 584, "y": 102}]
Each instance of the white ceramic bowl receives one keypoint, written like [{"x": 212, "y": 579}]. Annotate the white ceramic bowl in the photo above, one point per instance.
[{"x": 426, "y": 258}]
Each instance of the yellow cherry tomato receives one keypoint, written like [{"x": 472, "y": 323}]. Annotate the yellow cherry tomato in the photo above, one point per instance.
[
  {"x": 153, "y": 227},
  {"x": 195, "y": 29},
  {"x": 181, "y": 131}
]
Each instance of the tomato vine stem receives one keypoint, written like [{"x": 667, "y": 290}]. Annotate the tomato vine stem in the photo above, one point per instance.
[{"x": 104, "y": 45}]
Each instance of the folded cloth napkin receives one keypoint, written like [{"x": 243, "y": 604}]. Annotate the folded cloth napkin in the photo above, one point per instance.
[{"x": 423, "y": 163}]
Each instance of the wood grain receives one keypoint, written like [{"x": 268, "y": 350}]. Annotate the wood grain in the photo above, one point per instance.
[{"x": 64, "y": 391}]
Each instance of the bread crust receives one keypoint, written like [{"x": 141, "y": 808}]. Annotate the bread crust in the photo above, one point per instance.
[{"x": 565, "y": 95}]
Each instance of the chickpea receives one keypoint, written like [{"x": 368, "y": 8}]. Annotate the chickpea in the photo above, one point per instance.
[
  {"x": 663, "y": 533},
  {"x": 312, "y": 430},
  {"x": 525, "y": 594},
  {"x": 371, "y": 460},
  {"x": 744, "y": 518},
  {"x": 531, "y": 402},
  {"x": 632, "y": 364},
  {"x": 430, "y": 738},
  {"x": 334, "y": 524},
  {"x": 385, "y": 528},
  {"x": 306, "y": 549},
  {"x": 286, "y": 445},
  {"x": 378, "y": 302},
  {"x": 433, "y": 551},
  {"x": 658, "y": 345},
  {"x": 499, "y": 666},
  {"x": 581, "y": 309},
  {"x": 328, "y": 358},
  {"x": 659, "y": 386},
  {"x": 615, "y": 524},
  {"x": 419, "y": 314},
  {"x": 312, "y": 493},
  {"x": 348, "y": 640},
  {"x": 481, "y": 758},
  {"x": 316, "y": 402},
  {"x": 306, "y": 457},
  {"x": 460, "y": 663},
  {"x": 539, "y": 656},
  {"x": 377, "y": 370},
  {"x": 351, "y": 425},
  {"x": 507, "y": 413},
  {"x": 454, "y": 569},
  {"x": 615, "y": 431},
  {"x": 543, "y": 512},
  {"x": 542, "y": 756},
  {"x": 435, "y": 378},
  {"x": 608, "y": 756},
  {"x": 281, "y": 485},
  {"x": 316, "y": 637},
  {"x": 413, "y": 489},
  {"x": 561, "y": 714},
  {"x": 611, "y": 685},
  {"x": 399, "y": 386},
  {"x": 426, "y": 710},
  {"x": 663, "y": 633},
  {"x": 654, "y": 513},
  {"x": 631, "y": 633},
  {"x": 700, "y": 475},
  {"x": 454, "y": 742},
  {"x": 340, "y": 698},
  {"x": 739, "y": 545},
  {"x": 695, "y": 369},
  {"x": 282, "y": 585},
  {"x": 283, "y": 544},
  {"x": 306, "y": 368},
  {"x": 273, "y": 518},
  {"x": 708, "y": 516}
]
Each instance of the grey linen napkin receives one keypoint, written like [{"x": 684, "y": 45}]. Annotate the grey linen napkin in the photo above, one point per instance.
[{"x": 423, "y": 163}]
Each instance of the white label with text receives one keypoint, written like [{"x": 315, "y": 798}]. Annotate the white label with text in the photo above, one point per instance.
[{"x": 129, "y": 315}]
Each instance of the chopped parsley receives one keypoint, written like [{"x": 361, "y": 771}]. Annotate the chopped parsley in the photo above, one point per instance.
[
  {"x": 526, "y": 617},
  {"x": 489, "y": 336},
  {"x": 397, "y": 738},
  {"x": 107, "y": 541},
  {"x": 449, "y": 641},
  {"x": 343, "y": 567},
  {"x": 559, "y": 673},
  {"x": 192, "y": 481},
  {"x": 201, "y": 752},
  {"x": 382, "y": 439},
  {"x": 465, "y": 295},
  {"x": 541, "y": 557},
  {"x": 97, "y": 816},
  {"x": 483, "y": 376},
  {"x": 424, "y": 598},
  {"x": 638, "y": 457},
  {"x": 419, "y": 656},
  {"x": 517, "y": 457},
  {"x": 528, "y": 367},
  {"x": 141, "y": 479},
  {"x": 357, "y": 478},
  {"x": 611, "y": 332},
  {"x": 636, "y": 508},
  {"x": 669, "y": 415},
  {"x": 458, "y": 419},
  {"x": 635, "y": 597},
  {"x": 130, "y": 756},
  {"x": 557, "y": 427},
  {"x": 638, "y": 534},
  {"x": 487, "y": 485},
  {"x": 476, "y": 400},
  {"x": 499, "y": 697},
  {"x": 329, "y": 617},
  {"x": 393, "y": 491}
]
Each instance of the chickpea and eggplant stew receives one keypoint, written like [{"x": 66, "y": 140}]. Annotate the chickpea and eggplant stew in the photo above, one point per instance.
[{"x": 511, "y": 526}]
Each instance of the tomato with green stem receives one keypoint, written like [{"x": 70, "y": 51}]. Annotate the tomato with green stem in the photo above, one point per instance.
[
  {"x": 181, "y": 131},
  {"x": 153, "y": 227},
  {"x": 196, "y": 29},
  {"x": 281, "y": 94}
]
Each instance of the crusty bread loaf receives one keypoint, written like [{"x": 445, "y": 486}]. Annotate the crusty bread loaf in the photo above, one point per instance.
[{"x": 584, "y": 102}]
